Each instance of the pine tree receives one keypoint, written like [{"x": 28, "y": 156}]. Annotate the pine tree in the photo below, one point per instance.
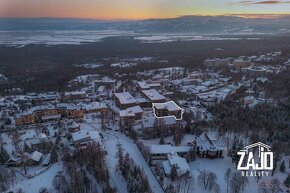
[
  {"x": 282, "y": 167},
  {"x": 120, "y": 156},
  {"x": 126, "y": 164},
  {"x": 173, "y": 173},
  {"x": 4, "y": 156}
]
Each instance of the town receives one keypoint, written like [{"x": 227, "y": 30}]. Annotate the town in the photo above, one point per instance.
[{"x": 165, "y": 128}]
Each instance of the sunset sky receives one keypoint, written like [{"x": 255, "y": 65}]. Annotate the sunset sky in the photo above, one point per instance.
[{"x": 139, "y": 9}]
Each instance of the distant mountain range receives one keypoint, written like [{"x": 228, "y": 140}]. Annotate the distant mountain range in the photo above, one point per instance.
[{"x": 184, "y": 24}]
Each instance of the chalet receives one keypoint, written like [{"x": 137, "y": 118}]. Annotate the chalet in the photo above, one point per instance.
[
  {"x": 208, "y": 147},
  {"x": 153, "y": 96},
  {"x": 125, "y": 100},
  {"x": 29, "y": 159},
  {"x": 83, "y": 137},
  {"x": 73, "y": 127},
  {"x": 168, "y": 109},
  {"x": 179, "y": 163},
  {"x": 42, "y": 144}
]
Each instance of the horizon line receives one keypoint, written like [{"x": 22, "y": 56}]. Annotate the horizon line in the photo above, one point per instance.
[{"x": 240, "y": 15}]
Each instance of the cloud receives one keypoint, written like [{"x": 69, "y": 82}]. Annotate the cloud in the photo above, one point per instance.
[
  {"x": 253, "y": 2},
  {"x": 264, "y": 16},
  {"x": 268, "y": 2}
]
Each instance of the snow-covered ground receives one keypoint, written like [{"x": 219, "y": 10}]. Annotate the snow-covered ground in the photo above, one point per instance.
[
  {"x": 113, "y": 139},
  {"x": 23, "y": 38},
  {"x": 173, "y": 38},
  {"x": 33, "y": 185},
  {"x": 89, "y": 65}
]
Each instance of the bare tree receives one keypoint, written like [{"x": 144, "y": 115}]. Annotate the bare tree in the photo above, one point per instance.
[
  {"x": 272, "y": 186},
  {"x": 207, "y": 179},
  {"x": 238, "y": 183},
  {"x": 227, "y": 177}
]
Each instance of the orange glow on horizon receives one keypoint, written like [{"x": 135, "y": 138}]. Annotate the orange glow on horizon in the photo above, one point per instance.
[{"x": 133, "y": 9}]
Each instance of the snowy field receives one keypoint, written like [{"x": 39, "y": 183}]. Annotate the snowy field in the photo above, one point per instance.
[
  {"x": 89, "y": 65},
  {"x": 45, "y": 179},
  {"x": 49, "y": 37},
  {"x": 75, "y": 37},
  {"x": 173, "y": 38}
]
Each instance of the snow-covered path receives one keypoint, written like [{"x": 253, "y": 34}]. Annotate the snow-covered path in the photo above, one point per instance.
[
  {"x": 117, "y": 179},
  {"x": 113, "y": 139}
]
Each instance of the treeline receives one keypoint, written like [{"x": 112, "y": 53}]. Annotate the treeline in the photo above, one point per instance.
[
  {"x": 85, "y": 171},
  {"x": 264, "y": 122}
]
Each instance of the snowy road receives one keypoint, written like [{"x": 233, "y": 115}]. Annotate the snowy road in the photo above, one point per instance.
[
  {"x": 111, "y": 139},
  {"x": 135, "y": 154}
]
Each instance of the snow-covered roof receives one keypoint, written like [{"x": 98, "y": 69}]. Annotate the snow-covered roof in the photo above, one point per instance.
[
  {"x": 36, "y": 156},
  {"x": 153, "y": 95},
  {"x": 73, "y": 124},
  {"x": 83, "y": 134},
  {"x": 166, "y": 149},
  {"x": 149, "y": 122},
  {"x": 206, "y": 143},
  {"x": 170, "y": 106},
  {"x": 179, "y": 162},
  {"x": 92, "y": 106},
  {"x": 125, "y": 98},
  {"x": 67, "y": 106},
  {"x": 39, "y": 140},
  {"x": 50, "y": 117},
  {"x": 131, "y": 111},
  {"x": 75, "y": 93},
  {"x": 143, "y": 85},
  {"x": 46, "y": 160}
]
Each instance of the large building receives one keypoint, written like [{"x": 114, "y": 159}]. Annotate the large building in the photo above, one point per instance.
[
  {"x": 130, "y": 115},
  {"x": 74, "y": 96},
  {"x": 208, "y": 147},
  {"x": 48, "y": 112},
  {"x": 167, "y": 109},
  {"x": 154, "y": 96},
  {"x": 152, "y": 127},
  {"x": 143, "y": 85},
  {"x": 125, "y": 100},
  {"x": 160, "y": 152}
]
